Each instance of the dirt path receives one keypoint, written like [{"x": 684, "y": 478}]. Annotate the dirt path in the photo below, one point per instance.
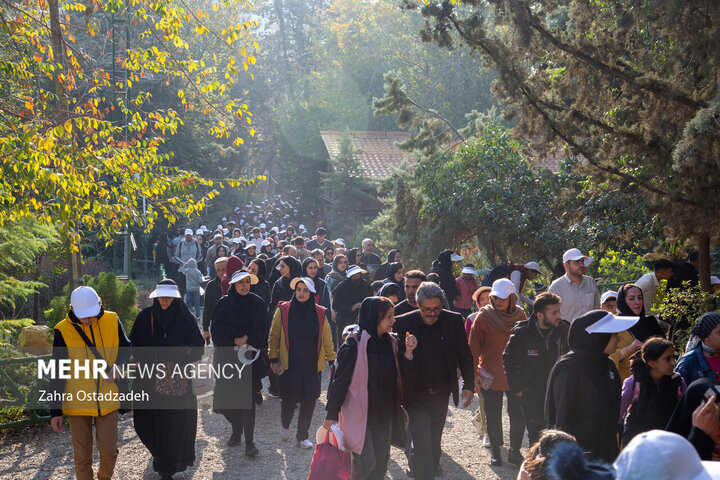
[{"x": 43, "y": 454}]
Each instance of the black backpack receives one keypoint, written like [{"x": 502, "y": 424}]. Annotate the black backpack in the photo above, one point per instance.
[{"x": 500, "y": 271}]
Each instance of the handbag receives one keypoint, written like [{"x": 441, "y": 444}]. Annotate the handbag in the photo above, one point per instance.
[
  {"x": 329, "y": 462},
  {"x": 168, "y": 385},
  {"x": 203, "y": 385}
]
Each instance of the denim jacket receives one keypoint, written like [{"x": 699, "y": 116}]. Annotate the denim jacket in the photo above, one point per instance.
[{"x": 693, "y": 365}]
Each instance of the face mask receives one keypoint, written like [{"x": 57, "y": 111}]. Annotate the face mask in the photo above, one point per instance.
[{"x": 242, "y": 353}]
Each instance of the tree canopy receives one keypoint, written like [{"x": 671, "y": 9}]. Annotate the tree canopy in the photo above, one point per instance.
[{"x": 628, "y": 86}]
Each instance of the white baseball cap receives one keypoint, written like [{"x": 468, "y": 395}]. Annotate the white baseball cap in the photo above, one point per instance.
[
  {"x": 502, "y": 288},
  {"x": 85, "y": 302},
  {"x": 714, "y": 280},
  {"x": 218, "y": 235},
  {"x": 262, "y": 225},
  {"x": 533, "y": 266},
  {"x": 199, "y": 231},
  {"x": 165, "y": 290},
  {"x": 607, "y": 295},
  {"x": 265, "y": 243},
  {"x": 469, "y": 270},
  {"x": 340, "y": 241},
  {"x": 612, "y": 324},
  {"x": 662, "y": 455},
  {"x": 237, "y": 240},
  {"x": 188, "y": 231},
  {"x": 354, "y": 270},
  {"x": 456, "y": 258},
  {"x": 575, "y": 254},
  {"x": 307, "y": 281},
  {"x": 239, "y": 275}
]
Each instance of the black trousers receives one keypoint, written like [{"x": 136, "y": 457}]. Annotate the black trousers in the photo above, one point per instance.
[
  {"x": 493, "y": 412},
  {"x": 372, "y": 463},
  {"x": 287, "y": 410},
  {"x": 534, "y": 415},
  {"x": 427, "y": 420},
  {"x": 242, "y": 421}
]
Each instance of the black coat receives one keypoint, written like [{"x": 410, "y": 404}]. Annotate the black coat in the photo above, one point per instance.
[
  {"x": 404, "y": 307},
  {"x": 583, "y": 392},
  {"x": 212, "y": 297},
  {"x": 168, "y": 433},
  {"x": 529, "y": 356},
  {"x": 345, "y": 296},
  {"x": 458, "y": 350},
  {"x": 235, "y": 317}
]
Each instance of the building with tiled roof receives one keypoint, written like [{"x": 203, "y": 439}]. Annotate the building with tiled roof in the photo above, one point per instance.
[{"x": 377, "y": 151}]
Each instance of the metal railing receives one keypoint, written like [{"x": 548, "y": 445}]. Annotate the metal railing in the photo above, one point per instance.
[{"x": 19, "y": 398}]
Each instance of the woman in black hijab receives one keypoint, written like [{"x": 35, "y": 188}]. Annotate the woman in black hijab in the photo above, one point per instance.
[
  {"x": 447, "y": 279},
  {"x": 396, "y": 270},
  {"x": 354, "y": 255},
  {"x": 630, "y": 304},
  {"x": 647, "y": 326},
  {"x": 167, "y": 424},
  {"x": 391, "y": 291},
  {"x": 583, "y": 391},
  {"x": 261, "y": 289},
  {"x": 372, "y": 419},
  {"x": 348, "y": 296},
  {"x": 299, "y": 345},
  {"x": 240, "y": 318},
  {"x": 289, "y": 268},
  {"x": 382, "y": 272},
  {"x": 683, "y": 423}
]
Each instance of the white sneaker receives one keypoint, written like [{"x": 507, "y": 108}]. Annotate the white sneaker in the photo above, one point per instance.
[
  {"x": 304, "y": 444},
  {"x": 486, "y": 441},
  {"x": 284, "y": 434}
]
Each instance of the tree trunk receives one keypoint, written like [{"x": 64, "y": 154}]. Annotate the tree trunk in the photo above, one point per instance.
[{"x": 704, "y": 267}]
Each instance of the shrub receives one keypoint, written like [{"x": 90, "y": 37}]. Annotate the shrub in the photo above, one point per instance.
[
  {"x": 117, "y": 296},
  {"x": 683, "y": 308}
]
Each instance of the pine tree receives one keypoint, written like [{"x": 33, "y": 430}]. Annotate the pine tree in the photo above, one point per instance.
[{"x": 348, "y": 188}]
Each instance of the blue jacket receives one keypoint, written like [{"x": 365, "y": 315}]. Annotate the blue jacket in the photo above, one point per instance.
[{"x": 693, "y": 365}]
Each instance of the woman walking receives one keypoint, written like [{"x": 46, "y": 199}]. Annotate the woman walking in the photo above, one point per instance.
[
  {"x": 396, "y": 272},
  {"x": 371, "y": 368},
  {"x": 239, "y": 320},
  {"x": 299, "y": 346},
  {"x": 337, "y": 275},
  {"x": 630, "y": 303},
  {"x": 489, "y": 335},
  {"x": 168, "y": 428},
  {"x": 289, "y": 268},
  {"x": 651, "y": 393},
  {"x": 583, "y": 392}
]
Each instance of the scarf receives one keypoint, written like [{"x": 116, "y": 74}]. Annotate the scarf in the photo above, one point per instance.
[
  {"x": 646, "y": 327},
  {"x": 504, "y": 320}
]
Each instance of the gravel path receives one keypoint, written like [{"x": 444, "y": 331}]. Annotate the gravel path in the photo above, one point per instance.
[{"x": 40, "y": 453}]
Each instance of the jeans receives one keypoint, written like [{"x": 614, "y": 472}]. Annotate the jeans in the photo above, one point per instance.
[
  {"x": 106, "y": 432},
  {"x": 192, "y": 300}
]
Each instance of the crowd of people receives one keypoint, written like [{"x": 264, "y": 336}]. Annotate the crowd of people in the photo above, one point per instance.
[{"x": 591, "y": 377}]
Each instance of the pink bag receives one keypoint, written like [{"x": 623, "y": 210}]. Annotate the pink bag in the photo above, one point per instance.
[{"x": 329, "y": 462}]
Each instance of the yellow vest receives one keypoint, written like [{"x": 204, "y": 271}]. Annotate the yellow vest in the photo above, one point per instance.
[{"x": 90, "y": 396}]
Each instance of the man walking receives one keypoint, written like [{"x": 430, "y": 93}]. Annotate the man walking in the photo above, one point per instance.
[
  {"x": 442, "y": 349},
  {"x": 213, "y": 294},
  {"x": 648, "y": 283},
  {"x": 413, "y": 279},
  {"x": 530, "y": 354},
  {"x": 579, "y": 293},
  {"x": 87, "y": 333},
  {"x": 187, "y": 249}
]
